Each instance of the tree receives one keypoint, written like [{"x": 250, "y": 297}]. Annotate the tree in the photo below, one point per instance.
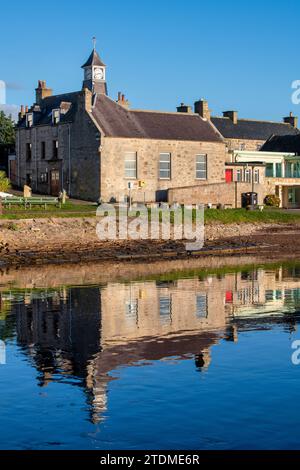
[
  {"x": 4, "y": 182},
  {"x": 7, "y": 130}
]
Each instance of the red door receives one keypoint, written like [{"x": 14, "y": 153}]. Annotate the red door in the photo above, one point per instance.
[{"x": 229, "y": 176}]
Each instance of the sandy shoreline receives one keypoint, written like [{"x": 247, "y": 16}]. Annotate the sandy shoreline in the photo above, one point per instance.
[{"x": 61, "y": 241}]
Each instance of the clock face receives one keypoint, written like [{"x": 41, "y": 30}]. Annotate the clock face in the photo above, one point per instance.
[
  {"x": 98, "y": 73},
  {"x": 88, "y": 74}
]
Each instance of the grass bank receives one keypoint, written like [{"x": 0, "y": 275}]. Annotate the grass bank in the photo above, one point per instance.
[
  {"x": 227, "y": 216},
  {"x": 69, "y": 209},
  {"x": 237, "y": 216}
]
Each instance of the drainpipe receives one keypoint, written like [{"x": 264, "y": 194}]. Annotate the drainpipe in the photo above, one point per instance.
[
  {"x": 69, "y": 129},
  {"x": 60, "y": 131},
  {"x": 36, "y": 162},
  {"x": 19, "y": 156}
]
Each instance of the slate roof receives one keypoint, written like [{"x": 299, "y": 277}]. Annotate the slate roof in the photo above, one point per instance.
[
  {"x": 93, "y": 59},
  {"x": 286, "y": 143},
  {"x": 117, "y": 121},
  {"x": 44, "y": 116},
  {"x": 250, "y": 129}
]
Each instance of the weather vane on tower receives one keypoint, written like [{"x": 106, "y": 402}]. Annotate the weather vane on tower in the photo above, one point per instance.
[{"x": 94, "y": 42}]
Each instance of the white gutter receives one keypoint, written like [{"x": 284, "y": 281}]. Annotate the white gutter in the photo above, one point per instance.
[{"x": 263, "y": 157}]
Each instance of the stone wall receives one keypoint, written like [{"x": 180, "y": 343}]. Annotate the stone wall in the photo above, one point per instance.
[
  {"x": 244, "y": 144},
  {"x": 114, "y": 185},
  {"x": 227, "y": 194},
  {"x": 78, "y": 160}
]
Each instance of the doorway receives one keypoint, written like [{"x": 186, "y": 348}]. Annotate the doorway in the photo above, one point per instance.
[
  {"x": 229, "y": 176},
  {"x": 54, "y": 183}
]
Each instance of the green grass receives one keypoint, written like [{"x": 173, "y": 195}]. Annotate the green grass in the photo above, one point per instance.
[
  {"x": 231, "y": 216},
  {"x": 67, "y": 210},
  {"x": 228, "y": 216}
]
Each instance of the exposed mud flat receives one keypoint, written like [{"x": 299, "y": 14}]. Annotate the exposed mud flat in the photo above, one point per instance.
[{"x": 61, "y": 241}]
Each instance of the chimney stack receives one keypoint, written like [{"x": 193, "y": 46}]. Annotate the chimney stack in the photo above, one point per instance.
[
  {"x": 22, "y": 112},
  {"x": 232, "y": 115},
  {"x": 26, "y": 109},
  {"x": 122, "y": 101},
  {"x": 292, "y": 120},
  {"x": 201, "y": 107},
  {"x": 42, "y": 92},
  {"x": 87, "y": 100},
  {"x": 183, "y": 108}
]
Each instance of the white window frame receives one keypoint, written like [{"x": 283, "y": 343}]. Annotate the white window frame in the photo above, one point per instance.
[
  {"x": 204, "y": 171},
  {"x": 240, "y": 172},
  {"x": 44, "y": 177},
  {"x": 246, "y": 173},
  {"x": 29, "y": 119},
  {"x": 55, "y": 116},
  {"x": 165, "y": 157},
  {"x": 130, "y": 157},
  {"x": 256, "y": 176}
]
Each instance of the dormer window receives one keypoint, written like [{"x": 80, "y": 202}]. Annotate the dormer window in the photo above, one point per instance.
[
  {"x": 29, "y": 119},
  {"x": 55, "y": 116}
]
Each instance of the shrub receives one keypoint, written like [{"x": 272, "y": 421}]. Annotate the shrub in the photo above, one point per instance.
[
  {"x": 4, "y": 182},
  {"x": 272, "y": 200}
]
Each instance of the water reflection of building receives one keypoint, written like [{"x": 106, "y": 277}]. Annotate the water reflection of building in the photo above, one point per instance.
[
  {"x": 60, "y": 332},
  {"x": 87, "y": 333}
]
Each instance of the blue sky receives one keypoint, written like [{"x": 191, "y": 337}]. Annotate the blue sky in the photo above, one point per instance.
[{"x": 237, "y": 54}]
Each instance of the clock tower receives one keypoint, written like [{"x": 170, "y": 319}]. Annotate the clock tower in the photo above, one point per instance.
[{"x": 95, "y": 74}]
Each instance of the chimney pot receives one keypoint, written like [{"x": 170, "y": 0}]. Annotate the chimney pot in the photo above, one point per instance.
[{"x": 42, "y": 91}]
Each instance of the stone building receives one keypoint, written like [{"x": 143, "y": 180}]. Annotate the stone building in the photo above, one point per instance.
[
  {"x": 247, "y": 134},
  {"x": 247, "y": 173},
  {"x": 97, "y": 148}
]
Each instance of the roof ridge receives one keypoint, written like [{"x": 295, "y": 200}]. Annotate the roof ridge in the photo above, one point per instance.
[
  {"x": 172, "y": 113},
  {"x": 254, "y": 120},
  {"x": 62, "y": 94}
]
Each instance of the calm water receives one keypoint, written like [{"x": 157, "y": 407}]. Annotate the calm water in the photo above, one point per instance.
[{"x": 195, "y": 362}]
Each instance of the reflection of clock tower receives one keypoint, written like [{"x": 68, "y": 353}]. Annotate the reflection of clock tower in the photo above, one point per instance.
[{"x": 95, "y": 74}]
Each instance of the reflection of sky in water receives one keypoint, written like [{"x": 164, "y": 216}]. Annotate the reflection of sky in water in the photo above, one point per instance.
[{"x": 196, "y": 362}]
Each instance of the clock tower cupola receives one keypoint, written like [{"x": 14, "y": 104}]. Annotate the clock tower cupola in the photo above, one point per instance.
[{"x": 95, "y": 74}]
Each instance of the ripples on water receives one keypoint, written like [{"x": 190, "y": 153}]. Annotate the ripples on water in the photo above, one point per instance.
[{"x": 201, "y": 361}]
